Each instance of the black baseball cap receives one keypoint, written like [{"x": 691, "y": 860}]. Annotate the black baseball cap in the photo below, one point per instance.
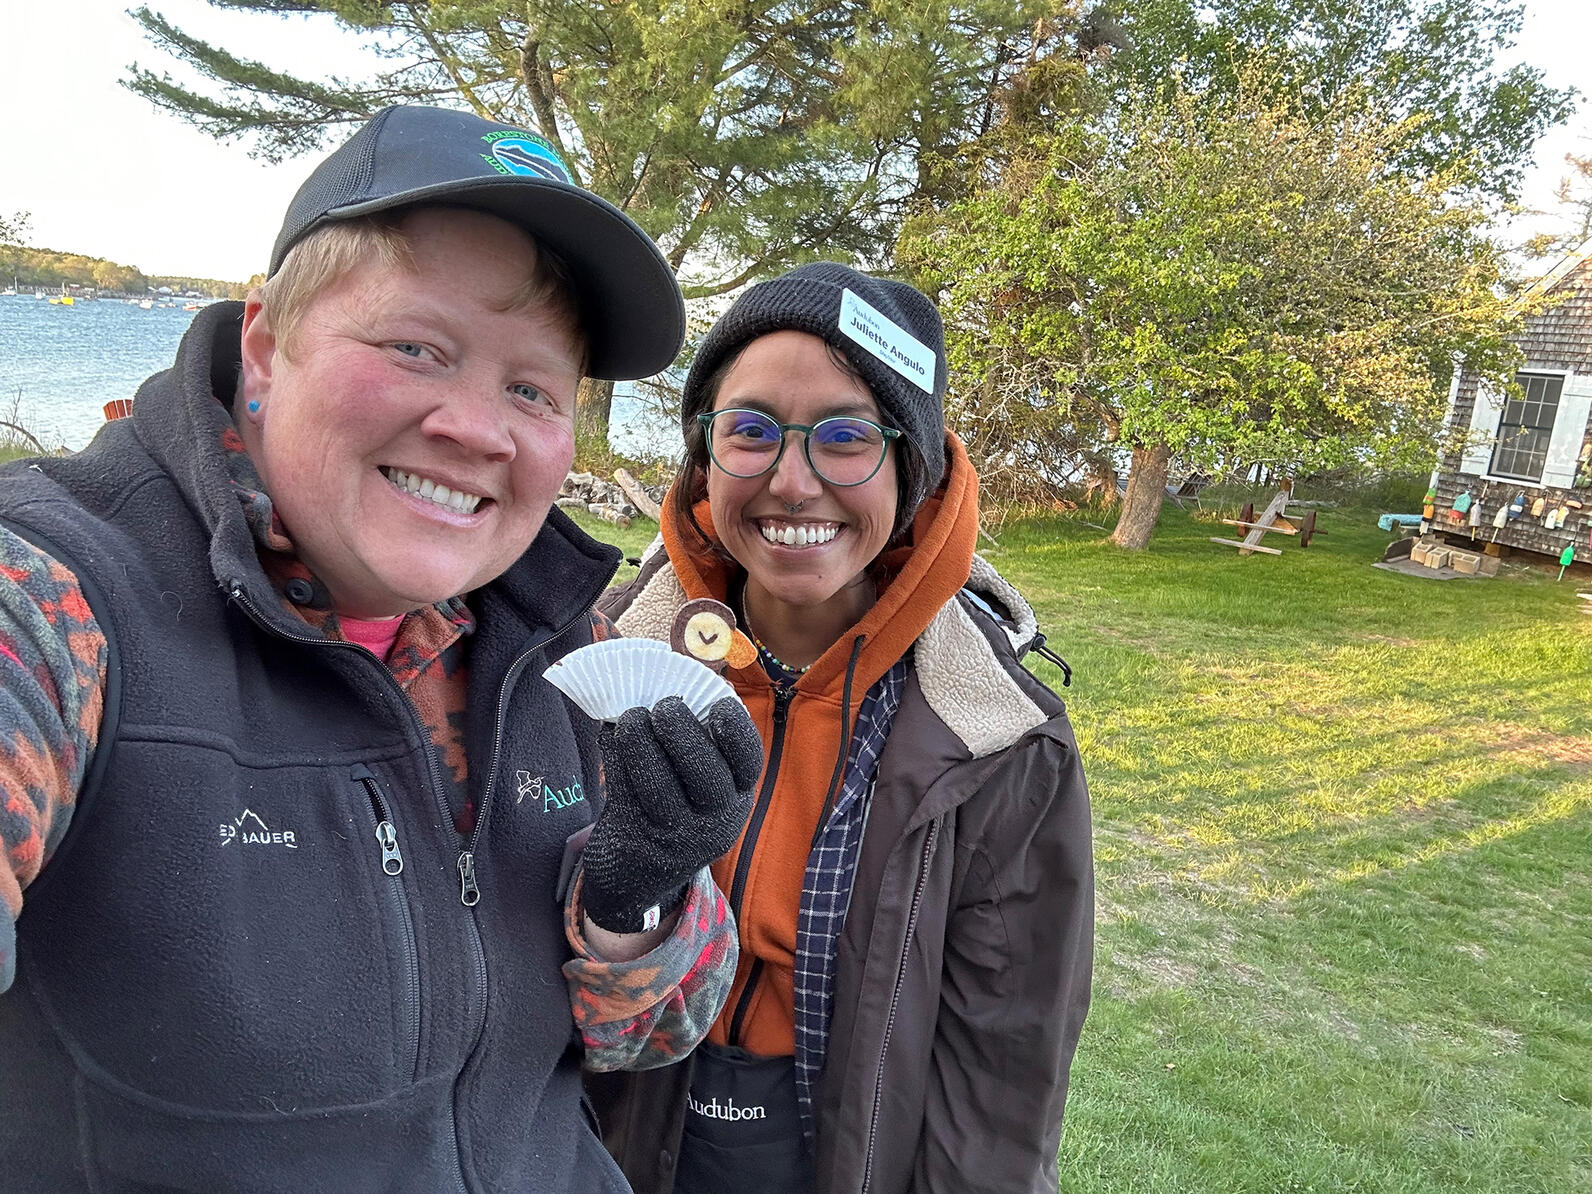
[{"x": 633, "y": 314}]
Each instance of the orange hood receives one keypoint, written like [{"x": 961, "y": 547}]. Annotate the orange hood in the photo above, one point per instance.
[{"x": 807, "y": 741}]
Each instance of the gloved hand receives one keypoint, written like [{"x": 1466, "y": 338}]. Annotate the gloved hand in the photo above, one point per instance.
[{"x": 678, "y": 792}]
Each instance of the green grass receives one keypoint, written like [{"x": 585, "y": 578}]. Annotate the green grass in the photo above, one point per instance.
[
  {"x": 632, "y": 540},
  {"x": 1343, "y": 823}
]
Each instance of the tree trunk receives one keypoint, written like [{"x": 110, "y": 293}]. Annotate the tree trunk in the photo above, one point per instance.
[
  {"x": 1141, "y": 505},
  {"x": 593, "y": 403}
]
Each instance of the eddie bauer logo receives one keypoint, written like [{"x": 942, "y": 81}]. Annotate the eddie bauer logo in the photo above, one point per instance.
[
  {"x": 713, "y": 1109},
  {"x": 534, "y": 786},
  {"x": 249, "y": 830}
]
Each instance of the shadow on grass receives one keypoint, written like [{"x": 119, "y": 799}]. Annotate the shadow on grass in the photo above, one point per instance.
[{"x": 1341, "y": 821}]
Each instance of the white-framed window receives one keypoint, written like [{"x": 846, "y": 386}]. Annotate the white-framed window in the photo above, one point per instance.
[
  {"x": 1525, "y": 427},
  {"x": 1532, "y": 438}
]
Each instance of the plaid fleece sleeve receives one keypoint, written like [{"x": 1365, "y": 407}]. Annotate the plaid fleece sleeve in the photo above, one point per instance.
[
  {"x": 52, "y": 694},
  {"x": 647, "y": 1013}
]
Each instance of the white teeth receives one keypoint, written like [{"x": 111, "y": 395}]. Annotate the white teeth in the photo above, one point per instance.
[
  {"x": 425, "y": 487},
  {"x": 805, "y": 535}
]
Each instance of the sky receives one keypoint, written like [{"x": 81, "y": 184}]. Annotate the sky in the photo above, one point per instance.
[{"x": 103, "y": 173}]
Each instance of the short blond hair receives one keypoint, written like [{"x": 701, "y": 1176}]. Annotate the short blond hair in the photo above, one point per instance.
[{"x": 336, "y": 249}]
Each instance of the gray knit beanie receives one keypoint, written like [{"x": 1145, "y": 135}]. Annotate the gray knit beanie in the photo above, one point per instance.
[{"x": 902, "y": 328}]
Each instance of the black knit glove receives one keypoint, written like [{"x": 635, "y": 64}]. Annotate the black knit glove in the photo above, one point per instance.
[{"x": 677, "y": 792}]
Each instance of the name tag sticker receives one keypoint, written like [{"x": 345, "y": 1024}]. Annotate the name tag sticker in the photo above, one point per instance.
[{"x": 887, "y": 340}]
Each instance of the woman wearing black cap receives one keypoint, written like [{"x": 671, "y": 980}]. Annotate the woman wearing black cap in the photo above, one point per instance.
[
  {"x": 288, "y": 812},
  {"x": 914, "y": 887}
]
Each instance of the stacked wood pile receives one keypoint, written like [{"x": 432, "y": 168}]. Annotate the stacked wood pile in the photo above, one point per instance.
[{"x": 617, "y": 501}]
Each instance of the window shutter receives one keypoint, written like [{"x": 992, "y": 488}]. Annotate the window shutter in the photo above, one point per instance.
[
  {"x": 1484, "y": 415},
  {"x": 1569, "y": 429}
]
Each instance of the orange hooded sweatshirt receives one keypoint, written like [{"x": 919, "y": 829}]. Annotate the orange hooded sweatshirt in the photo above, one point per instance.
[{"x": 808, "y": 741}]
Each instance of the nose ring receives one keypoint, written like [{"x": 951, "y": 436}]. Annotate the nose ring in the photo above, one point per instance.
[{"x": 797, "y": 508}]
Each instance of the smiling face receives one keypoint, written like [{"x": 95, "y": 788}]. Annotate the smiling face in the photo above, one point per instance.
[
  {"x": 419, "y": 431},
  {"x": 820, "y": 554}
]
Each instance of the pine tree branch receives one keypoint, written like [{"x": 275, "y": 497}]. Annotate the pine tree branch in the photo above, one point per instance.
[
  {"x": 694, "y": 231},
  {"x": 446, "y": 60},
  {"x": 297, "y": 120}
]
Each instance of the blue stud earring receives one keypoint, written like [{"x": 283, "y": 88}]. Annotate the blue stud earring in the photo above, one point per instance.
[{"x": 254, "y": 406}]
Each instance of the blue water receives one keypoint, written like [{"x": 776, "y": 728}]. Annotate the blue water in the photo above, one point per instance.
[{"x": 59, "y": 365}]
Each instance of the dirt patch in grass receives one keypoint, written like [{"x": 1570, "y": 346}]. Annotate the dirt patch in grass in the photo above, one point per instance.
[
  {"x": 1536, "y": 745},
  {"x": 1159, "y": 970},
  {"x": 1504, "y": 1040}
]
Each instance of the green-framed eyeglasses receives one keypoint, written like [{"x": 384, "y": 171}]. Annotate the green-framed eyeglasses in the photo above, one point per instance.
[{"x": 843, "y": 450}]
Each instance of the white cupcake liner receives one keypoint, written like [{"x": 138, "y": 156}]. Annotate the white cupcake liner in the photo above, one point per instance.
[{"x": 608, "y": 677}]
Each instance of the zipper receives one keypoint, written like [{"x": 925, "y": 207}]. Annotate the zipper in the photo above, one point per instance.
[
  {"x": 469, "y": 893},
  {"x": 240, "y": 595},
  {"x": 895, "y": 997},
  {"x": 392, "y": 864},
  {"x": 745, "y": 1001},
  {"x": 754, "y": 826},
  {"x": 236, "y": 591}
]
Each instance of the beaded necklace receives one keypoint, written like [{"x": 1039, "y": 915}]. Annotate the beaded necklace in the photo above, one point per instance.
[{"x": 763, "y": 650}]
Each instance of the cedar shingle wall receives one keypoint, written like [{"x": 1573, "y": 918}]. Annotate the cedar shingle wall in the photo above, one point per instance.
[
  {"x": 1561, "y": 338},
  {"x": 1525, "y": 532},
  {"x": 1557, "y": 340}
]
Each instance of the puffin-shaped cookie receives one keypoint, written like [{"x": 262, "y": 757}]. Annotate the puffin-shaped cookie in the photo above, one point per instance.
[{"x": 704, "y": 629}]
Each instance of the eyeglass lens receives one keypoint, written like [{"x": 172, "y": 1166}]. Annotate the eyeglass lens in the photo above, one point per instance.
[{"x": 842, "y": 450}]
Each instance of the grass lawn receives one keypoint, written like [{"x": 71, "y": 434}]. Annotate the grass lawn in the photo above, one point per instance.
[{"x": 1343, "y": 826}]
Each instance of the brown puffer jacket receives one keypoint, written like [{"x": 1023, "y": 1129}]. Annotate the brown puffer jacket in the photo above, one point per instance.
[{"x": 962, "y": 973}]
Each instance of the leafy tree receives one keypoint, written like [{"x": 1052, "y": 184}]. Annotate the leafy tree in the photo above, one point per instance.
[
  {"x": 1437, "y": 66},
  {"x": 1211, "y": 272},
  {"x": 14, "y": 228},
  {"x": 46, "y": 267},
  {"x": 744, "y": 135}
]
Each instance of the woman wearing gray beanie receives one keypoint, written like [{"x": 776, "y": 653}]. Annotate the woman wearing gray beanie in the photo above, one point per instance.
[{"x": 914, "y": 889}]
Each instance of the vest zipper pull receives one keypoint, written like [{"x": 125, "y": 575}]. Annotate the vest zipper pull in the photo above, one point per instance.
[
  {"x": 392, "y": 860},
  {"x": 469, "y": 893}
]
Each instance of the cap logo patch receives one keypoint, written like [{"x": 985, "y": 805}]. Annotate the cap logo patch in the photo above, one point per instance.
[
  {"x": 887, "y": 340},
  {"x": 525, "y": 154}
]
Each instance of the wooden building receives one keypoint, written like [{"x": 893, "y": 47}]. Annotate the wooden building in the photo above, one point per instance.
[{"x": 1531, "y": 448}]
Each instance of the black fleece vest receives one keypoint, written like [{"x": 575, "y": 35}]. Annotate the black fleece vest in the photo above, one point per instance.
[{"x": 221, "y": 986}]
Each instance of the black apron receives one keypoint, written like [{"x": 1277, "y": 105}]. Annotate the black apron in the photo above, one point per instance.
[{"x": 743, "y": 1128}]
